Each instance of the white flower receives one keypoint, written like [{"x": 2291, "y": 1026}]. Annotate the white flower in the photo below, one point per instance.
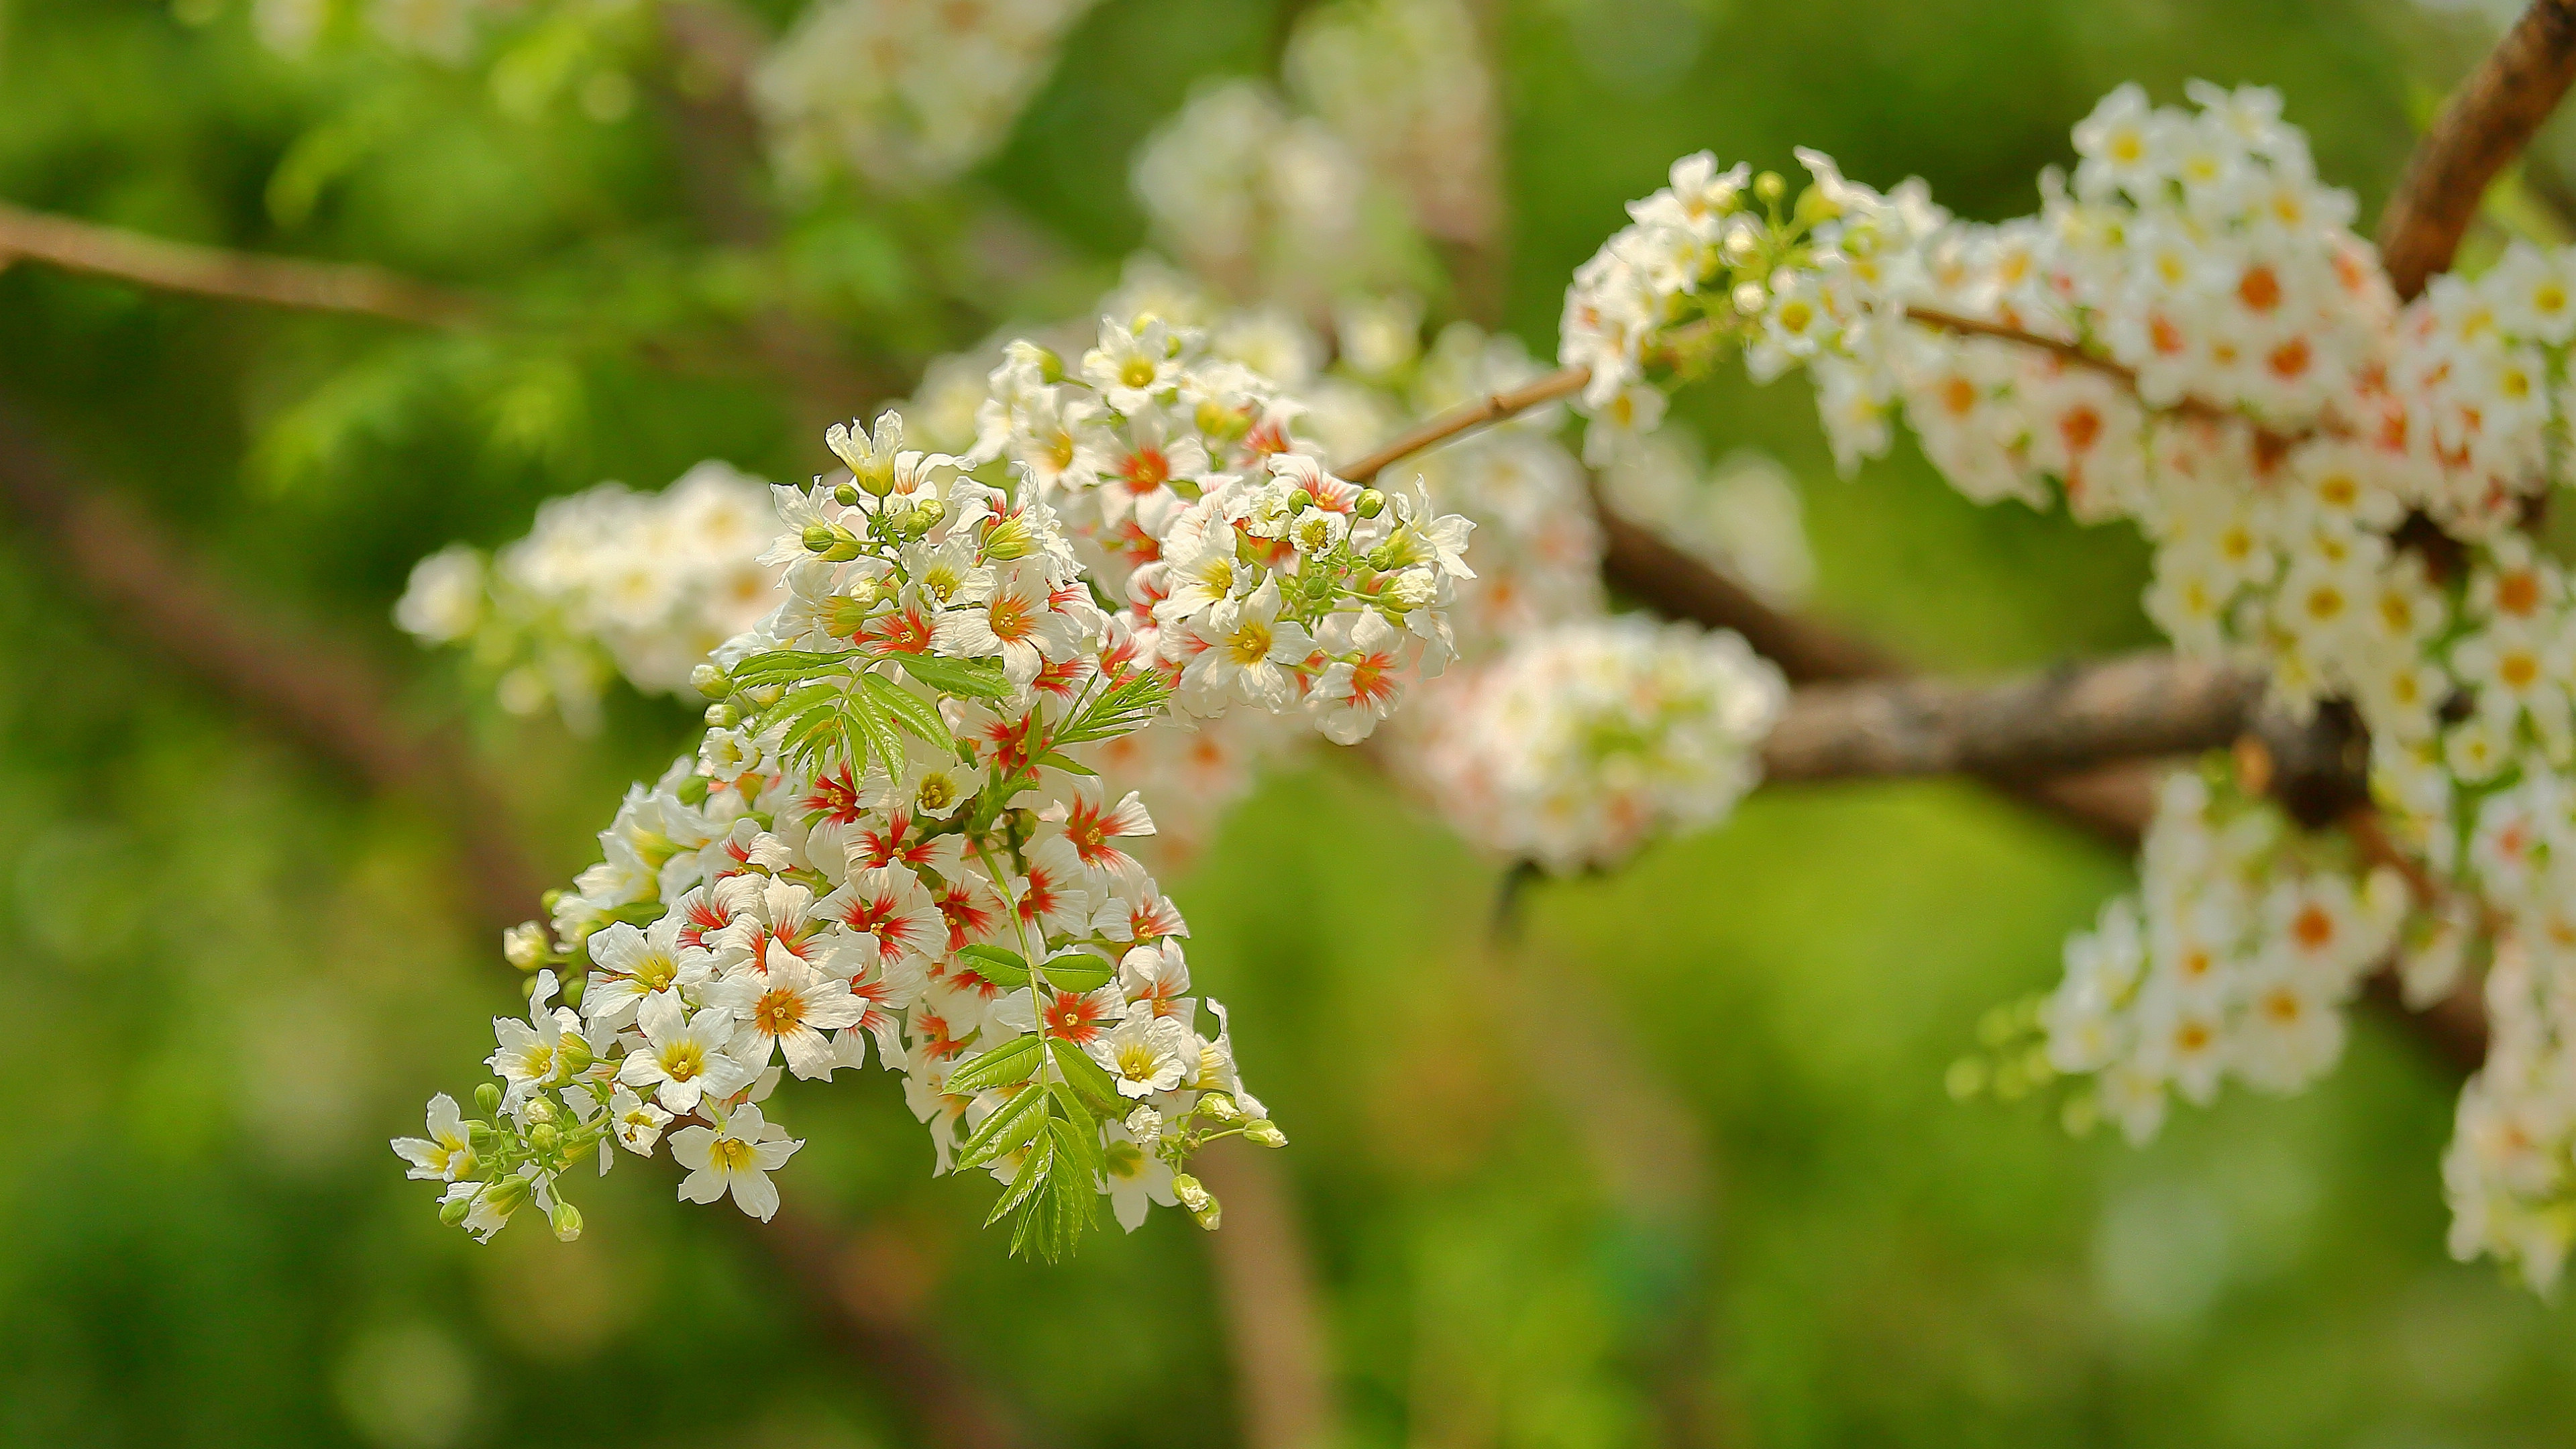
[
  {"x": 1137, "y": 1176},
  {"x": 637, "y": 1123},
  {"x": 737, "y": 1156},
  {"x": 526, "y": 1057},
  {"x": 686, "y": 1061},
  {"x": 790, "y": 1006},
  {"x": 1248, "y": 649},
  {"x": 444, "y": 1155},
  {"x": 444, "y": 600},
  {"x": 1144, "y": 1053}
]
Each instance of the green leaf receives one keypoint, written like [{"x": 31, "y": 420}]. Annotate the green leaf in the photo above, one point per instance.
[
  {"x": 1058, "y": 759},
  {"x": 974, "y": 678},
  {"x": 1001, "y": 966},
  {"x": 910, "y": 711},
  {"x": 779, "y": 666},
  {"x": 1079, "y": 971},
  {"x": 1013, "y": 1061},
  {"x": 1088, "y": 1078},
  {"x": 1031, "y": 1176},
  {"x": 1017, "y": 1120},
  {"x": 1074, "y": 1200},
  {"x": 1076, "y": 1146},
  {"x": 1128, "y": 706}
]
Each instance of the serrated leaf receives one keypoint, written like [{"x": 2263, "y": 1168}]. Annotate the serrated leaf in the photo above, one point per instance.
[
  {"x": 1088, "y": 1078},
  {"x": 974, "y": 678},
  {"x": 777, "y": 666},
  {"x": 1000, "y": 965},
  {"x": 911, "y": 711},
  {"x": 1079, "y": 971},
  {"x": 1019, "y": 1118},
  {"x": 1013, "y": 1061},
  {"x": 1077, "y": 1146},
  {"x": 1031, "y": 1176},
  {"x": 1075, "y": 1201},
  {"x": 1059, "y": 760}
]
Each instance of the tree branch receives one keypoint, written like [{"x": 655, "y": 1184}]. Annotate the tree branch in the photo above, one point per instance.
[
  {"x": 329, "y": 698},
  {"x": 2075, "y": 717},
  {"x": 131, "y": 256},
  {"x": 2484, "y": 124}
]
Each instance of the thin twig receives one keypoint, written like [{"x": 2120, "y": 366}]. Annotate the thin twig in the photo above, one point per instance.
[
  {"x": 1491, "y": 408},
  {"x": 131, "y": 256},
  {"x": 2481, "y": 128}
]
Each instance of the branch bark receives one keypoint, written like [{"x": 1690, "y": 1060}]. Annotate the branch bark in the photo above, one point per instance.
[
  {"x": 131, "y": 256},
  {"x": 2481, "y": 128},
  {"x": 2138, "y": 706},
  {"x": 328, "y": 697}
]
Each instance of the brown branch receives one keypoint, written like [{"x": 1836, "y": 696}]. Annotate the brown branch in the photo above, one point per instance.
[
  {"x": 329, "y": 698},
  {"x": 131, "y": 256},
  {"x": 1274, "y": 1318},
  {"x": 2484, "y": 124},
  {"x": 1492, "y": 408},
  {"x": 2138, "y": 706}
]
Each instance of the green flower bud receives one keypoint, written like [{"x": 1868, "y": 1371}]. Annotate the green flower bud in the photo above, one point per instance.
[
  {"x": 1371, "y": 504},
  {"x": 565, "y": 1220},
  {"x": 1192, "y": 1193},
  {"x": 487, "y": 1098},
  {"x": 544, "y": 1138},
  {"x": 1770, "y": 186},
  {"x": 926, "y": 515},
  {"x": 818, "y": 538},
  {"x": 1815, "y": 206},
  {"x": 1008, "y": 539},
  {"x": 1265, "y": 1132},
  {"x": 722, "y": 716},
  {"x": 710, "y": 681},
  {"x": 453, "y": 1211},
  {"x": 1299, "y": 502},
  {"x": 507, "y": 1195},
  {"x": 693, "y": 790},
  {"x": 573, "y": 1051},
  {"x": 1220, "y": 1106},
  {"x": 846, "y": 495}
]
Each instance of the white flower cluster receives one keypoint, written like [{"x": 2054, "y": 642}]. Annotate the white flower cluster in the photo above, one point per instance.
[
  {"x": 1591, "y": 738},
  {"x": 892, "y": 837},
  {"x": 644, "y": 584},
  {"x": 1247, "y": 570},
  {"x": 2339, "y": 490},
  {"x": 905, "y": 92},
  {"x": 2236, "y": 958}
]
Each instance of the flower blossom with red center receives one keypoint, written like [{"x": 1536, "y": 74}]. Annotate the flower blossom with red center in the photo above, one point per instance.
[
  {"x": 1080, "y": 839},
  {"x": 1081, "y": 1018},
  {"x": 887, "y": 907}
]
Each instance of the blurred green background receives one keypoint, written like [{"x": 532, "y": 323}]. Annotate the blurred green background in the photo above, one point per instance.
[{"x": 234, "y": 972}]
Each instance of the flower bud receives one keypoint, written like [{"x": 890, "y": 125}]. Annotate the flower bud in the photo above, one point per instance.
[
  {"x": 453, "y": 1210},
  {"x": 1750, "y": 299},
  {"x": 524, "y": 946},
  {"x": 723, "y": 716},
  {"x": 573, "y": 1052},
  {"x": 1144, "y": 1124},
  {"x": 846, "y": 495},
  {"x": 1371, "y": 504},
  {"x": 1770, "y": 186},
  {"x": 818, "y": 538},
  {"x": 544, "y": 1138},
  {"x": 487, "y": 1098},
  {"x": 1265, "y": 1132},
  {"x": 1009, "y": 539},
  {"x": 565, "y": 1220},
  {"x": 710, "y": 681},
  {"x": 1299, "y": 502},
  {"x": 505, "y": 1196},
  {"x": 1220, "y": 1106},
  {"x": 926, "y": 515},
  {"x": 1192, "y": 1193}
]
